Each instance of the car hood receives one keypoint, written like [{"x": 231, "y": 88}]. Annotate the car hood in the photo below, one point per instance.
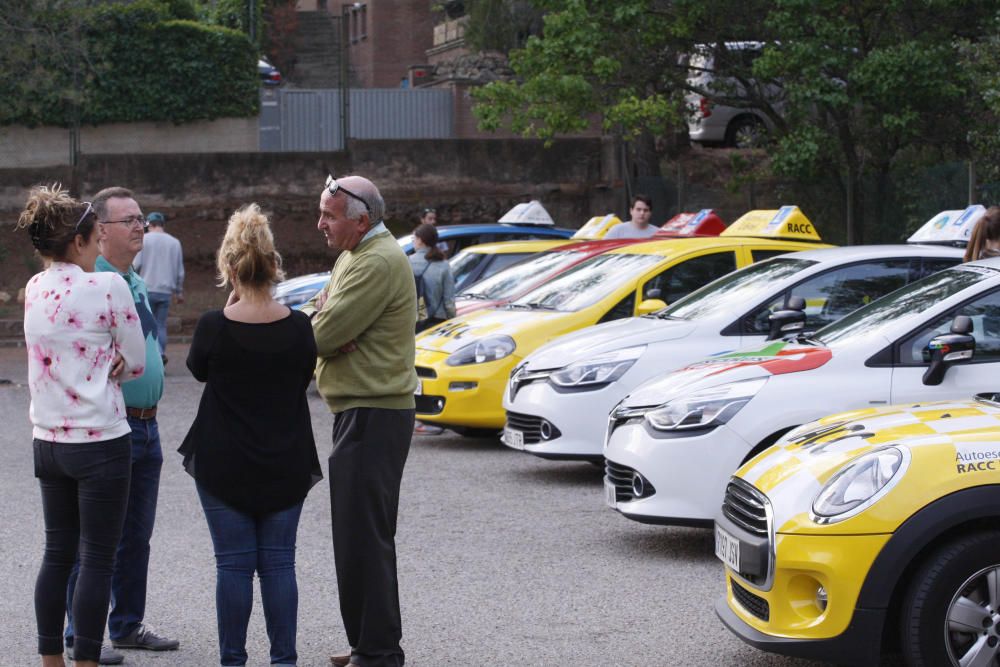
[
  {"x": 764, "y": 360},
  {"x": 607, "y": 337},
  {"x": 792, "y": 472},
  {"x": 458, "y": 332},
  {"x": 292, "y": 284}
]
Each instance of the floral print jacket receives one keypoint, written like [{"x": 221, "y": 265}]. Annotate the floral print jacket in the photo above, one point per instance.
[{"x": 75, "y": 323}]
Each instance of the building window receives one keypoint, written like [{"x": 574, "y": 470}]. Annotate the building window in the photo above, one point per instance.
[{"x": 357, "y": 21}]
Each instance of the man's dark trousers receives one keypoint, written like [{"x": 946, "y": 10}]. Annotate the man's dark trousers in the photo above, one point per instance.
[{"x": 370, "y": 446}]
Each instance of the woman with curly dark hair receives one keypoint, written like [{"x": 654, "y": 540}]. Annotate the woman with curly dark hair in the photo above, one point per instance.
[{"x": 82, "y": 334}]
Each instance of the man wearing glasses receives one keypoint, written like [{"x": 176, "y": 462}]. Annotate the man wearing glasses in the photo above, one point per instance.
[
  {"x": 363, "y": 321},
  {"x": 123, "y": 227}
]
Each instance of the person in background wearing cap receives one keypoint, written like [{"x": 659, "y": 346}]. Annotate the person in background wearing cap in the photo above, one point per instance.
[
  {"x": 161, "y": 265},
  {"x": 363, "y": 321}
]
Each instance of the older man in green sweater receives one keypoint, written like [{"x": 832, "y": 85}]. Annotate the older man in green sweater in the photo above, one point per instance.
[{"x": 363, "y": 321}]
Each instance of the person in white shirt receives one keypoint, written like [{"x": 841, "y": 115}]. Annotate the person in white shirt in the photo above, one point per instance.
[
  {"x": 83, "y": 336},
  {"x": 638, "y": 227},
  {"x": 161, "y": 265}
]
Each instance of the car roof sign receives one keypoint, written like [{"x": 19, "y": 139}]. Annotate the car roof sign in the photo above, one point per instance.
[
  {"x": 705, "y": 222},
  {"x": 949, "y": 227},
  {"x": 527, "y": 213},
  {"x": 597, "y": 227},
  {"x": 788, "y": 222}
]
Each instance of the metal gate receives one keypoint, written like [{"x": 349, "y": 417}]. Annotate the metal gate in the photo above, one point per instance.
[{"x": 310, "y": 120}]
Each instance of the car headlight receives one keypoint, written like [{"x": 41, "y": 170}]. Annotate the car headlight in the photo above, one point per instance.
[
  {"x": 602, "y": 369},
  {"x": 708, "y": 407},
  {"x": 490, "y": 348},
  {"x": 859, "y": 484}
]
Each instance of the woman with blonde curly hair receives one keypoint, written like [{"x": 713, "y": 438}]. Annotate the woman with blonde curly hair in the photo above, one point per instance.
[
  {"x": 985, "y": 239},
  {"x": 251, "y": 448},
  {"x": 82, "y": 334}
]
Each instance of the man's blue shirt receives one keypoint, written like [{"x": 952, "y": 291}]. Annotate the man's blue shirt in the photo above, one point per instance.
[{"x": 144, "y": 391}]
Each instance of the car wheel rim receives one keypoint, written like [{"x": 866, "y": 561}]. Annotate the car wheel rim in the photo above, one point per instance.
[
  {"x": 748, "y": 136},
  {"x": 972, "y": 624}
]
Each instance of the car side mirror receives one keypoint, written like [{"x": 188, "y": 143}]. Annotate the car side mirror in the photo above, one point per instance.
[
  {"x": 650, "y": 306},
  {"x": 951, "y": 348},
  {"x": 791, "y": 319}
]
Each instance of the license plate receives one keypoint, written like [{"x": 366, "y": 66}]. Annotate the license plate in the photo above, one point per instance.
[
  {"x": 420, "y": 388},
  {"x": 513, "y": 438},
  {"x": 610, "y": 497},
  {"x": 727, "y": 549}
]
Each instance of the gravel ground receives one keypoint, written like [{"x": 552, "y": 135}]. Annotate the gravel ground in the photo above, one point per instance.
[{"x": 504, "y": 559}]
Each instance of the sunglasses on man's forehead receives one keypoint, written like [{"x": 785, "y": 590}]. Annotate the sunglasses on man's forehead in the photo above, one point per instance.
[{"x": 333, "y": 187}]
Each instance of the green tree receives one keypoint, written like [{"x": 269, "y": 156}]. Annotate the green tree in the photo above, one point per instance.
[
  {"x": 866, "y": 84},
  {"x": 982, "y": 59},
  {"x": 614, "y": 60}
]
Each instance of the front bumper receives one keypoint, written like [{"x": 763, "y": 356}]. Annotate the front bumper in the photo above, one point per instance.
[
  {"x": 860, "y": 644},
  {"x": 581, "y": 418},
  {"x": 688, "y": 471},
  {"x": 464, "y": 396},
  {"x": 797, "y": 594}
]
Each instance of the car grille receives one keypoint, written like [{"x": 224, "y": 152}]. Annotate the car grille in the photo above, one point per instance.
[
  {"x": 428, "y": 373},
  {"x": 530, "y": 425},
  {"x": 622, "y": 477},
  {"x": 429, "y": 405},
  {"x": 754, "y": 604},
  {"x": 746, "y": 507}
]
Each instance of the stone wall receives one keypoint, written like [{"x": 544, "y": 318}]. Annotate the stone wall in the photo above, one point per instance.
[
  {"x": 465, "y": 180},
  {"x": 46, "y": 146}
]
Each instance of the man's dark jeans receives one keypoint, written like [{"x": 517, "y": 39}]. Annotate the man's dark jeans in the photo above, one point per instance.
[
  {"x": 128, "y": 584},
  {"x": 84, "y": 494}
]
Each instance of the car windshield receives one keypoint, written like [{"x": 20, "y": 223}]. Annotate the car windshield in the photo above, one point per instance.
[
  {"x": 912, "y": 299},
  {"x": 736, "y": 290},
  {"x": 465, "y": 263},
  {"x": 514, "y": 279},
  {"x": 588, "y": 282}
]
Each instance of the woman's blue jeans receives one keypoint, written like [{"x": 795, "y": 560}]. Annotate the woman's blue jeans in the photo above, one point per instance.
[{"x": 245, "y": 543}]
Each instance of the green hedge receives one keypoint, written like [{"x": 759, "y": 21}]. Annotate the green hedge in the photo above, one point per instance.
[{"x": 140, "y": 64}]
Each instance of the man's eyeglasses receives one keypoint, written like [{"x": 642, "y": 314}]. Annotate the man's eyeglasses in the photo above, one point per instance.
[
  {"x": 131, "y": 221},
  {"x": 87, "y": 211},
  {"x": 333, "y": 187}
]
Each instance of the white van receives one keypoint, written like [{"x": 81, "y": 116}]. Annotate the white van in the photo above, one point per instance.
[{"x": 712, "y": 123}]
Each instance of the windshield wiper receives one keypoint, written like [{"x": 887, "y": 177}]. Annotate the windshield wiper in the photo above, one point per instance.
[
  {"x": 474, "y": 295},
  {"x": 538, "y": 305},
  {"x": 517, "y": 306}
]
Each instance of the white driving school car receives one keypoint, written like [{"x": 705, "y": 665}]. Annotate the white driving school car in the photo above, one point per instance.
[
  {"x": 570, "y": 385},
  {"x": 673, "y": 443}
]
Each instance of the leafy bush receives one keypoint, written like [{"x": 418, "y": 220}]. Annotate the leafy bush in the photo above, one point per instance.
[{"x": 133, "y": 62}]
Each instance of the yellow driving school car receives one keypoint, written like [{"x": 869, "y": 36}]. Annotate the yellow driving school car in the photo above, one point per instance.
[
  {"x": 464, "y": 363},
  {"x": 870, "y": 528}
]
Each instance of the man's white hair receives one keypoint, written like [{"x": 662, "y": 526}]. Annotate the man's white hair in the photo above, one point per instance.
[{"x": 355, "y": 209}]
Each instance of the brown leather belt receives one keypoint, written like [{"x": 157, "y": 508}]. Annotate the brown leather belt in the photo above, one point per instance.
[{"x": 141, "y": 413}]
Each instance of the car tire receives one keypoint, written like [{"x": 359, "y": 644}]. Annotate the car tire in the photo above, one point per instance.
[
  {"x": 746, "y": 132},
  {"x": 959, "y": 581}
]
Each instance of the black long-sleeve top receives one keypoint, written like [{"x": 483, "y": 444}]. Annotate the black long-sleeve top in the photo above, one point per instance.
[{"x": 251, "y": 444}]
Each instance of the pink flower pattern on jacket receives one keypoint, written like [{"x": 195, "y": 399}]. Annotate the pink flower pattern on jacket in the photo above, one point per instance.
[{"x": 75, "y": 323}]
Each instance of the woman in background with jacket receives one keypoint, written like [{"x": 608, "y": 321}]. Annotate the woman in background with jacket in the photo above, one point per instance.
[{"x": 435, "y": 282}]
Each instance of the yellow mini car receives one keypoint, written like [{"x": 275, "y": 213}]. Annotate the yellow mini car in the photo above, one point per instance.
[
  {"x": 464, "y": 363},
  {"x": 870, "y": 529}
]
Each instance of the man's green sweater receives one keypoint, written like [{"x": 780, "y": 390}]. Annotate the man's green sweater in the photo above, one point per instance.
[{"x": 371, "y": 299}]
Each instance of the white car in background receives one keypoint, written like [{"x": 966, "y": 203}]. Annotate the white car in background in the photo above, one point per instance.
[
  {"x": 561, "y": 394},
  {"x": 673, "y": 443}
]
